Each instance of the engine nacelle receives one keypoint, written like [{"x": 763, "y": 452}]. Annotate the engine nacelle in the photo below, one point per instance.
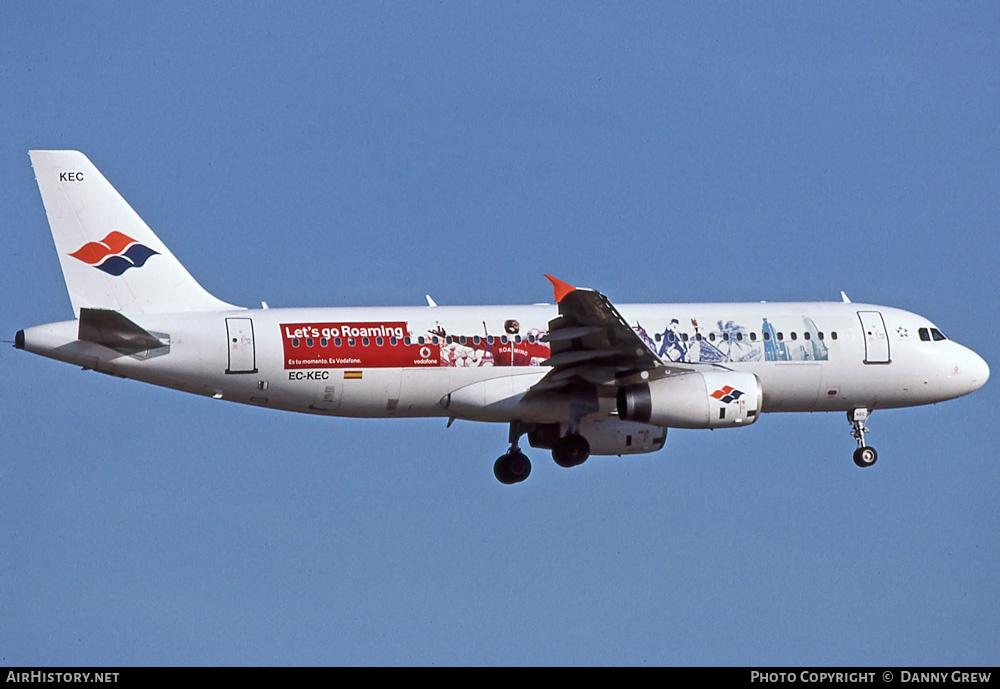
[
  {"x": 611, "y": 437},
  {"x": 715, "y": 399}
]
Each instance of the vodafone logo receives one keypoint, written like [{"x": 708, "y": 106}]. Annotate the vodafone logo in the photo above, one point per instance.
[{"x": 425, "y": 352}]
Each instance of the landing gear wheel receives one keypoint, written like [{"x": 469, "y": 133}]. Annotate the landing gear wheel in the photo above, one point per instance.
[
  {"x": 512, "y": 467},
  {"x": 571, "y": 450},
  {"x": 865, "y": 456}
]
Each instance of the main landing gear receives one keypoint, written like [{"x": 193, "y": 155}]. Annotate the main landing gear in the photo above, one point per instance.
[
  {"x": 570, "y": 450},
  {"x": 514, "y": 466},
  {"x": 864, "y": 456}
]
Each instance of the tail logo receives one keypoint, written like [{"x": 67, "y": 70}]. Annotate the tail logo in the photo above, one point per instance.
[
  {"x": 727, "y": 394},
  {"x": 114, "y": 254}
]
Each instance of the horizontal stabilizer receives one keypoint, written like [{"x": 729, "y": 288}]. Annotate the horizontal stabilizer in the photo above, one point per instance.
[{"x": 113, "y": 330}]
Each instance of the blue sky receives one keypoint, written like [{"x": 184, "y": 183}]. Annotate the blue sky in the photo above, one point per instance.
[{"x": 368, "y": 154}]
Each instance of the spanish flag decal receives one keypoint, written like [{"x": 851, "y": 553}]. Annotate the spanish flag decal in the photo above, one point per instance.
[{"x": 352, "y": 375}]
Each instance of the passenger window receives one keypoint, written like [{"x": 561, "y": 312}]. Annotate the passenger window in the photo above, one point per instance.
[
  {"x": 379, "y": 341},
  {"x": 820, "y": 334},
  {"x": 805, "y": 336},
  {"x": 794, "y": 335},
  {"x": 295, "y": 341},
  {"x": 781, "y": 336},
  {"x": 711, "y": 336},
  {"x": 323, "y": 342},
  {"x": 767, "y": 336},
  {"x": 337, "y": 342},
  {"x": 833, "y": 335},
  {"x": 753, "y": 337},
  {"x": 365, "y": 341}
]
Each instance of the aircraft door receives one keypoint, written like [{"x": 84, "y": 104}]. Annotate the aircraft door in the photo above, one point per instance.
[
  {"x": 242, "y": 354},
  {"x": 876, "y": 338}
]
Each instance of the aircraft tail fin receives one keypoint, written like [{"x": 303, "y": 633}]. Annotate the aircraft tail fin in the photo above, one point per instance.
[{"x": 110, "y": 258}]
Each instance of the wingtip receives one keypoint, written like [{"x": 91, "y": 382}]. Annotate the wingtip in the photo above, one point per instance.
[{"x": 561, "y": 288}]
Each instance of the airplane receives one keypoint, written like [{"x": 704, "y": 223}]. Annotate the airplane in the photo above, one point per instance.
[{"x": 579, "y": 377}]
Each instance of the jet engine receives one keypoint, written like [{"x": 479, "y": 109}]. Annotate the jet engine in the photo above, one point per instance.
[{"x": 715, "y": 399}]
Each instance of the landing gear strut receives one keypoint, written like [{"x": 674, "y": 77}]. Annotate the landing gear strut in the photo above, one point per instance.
[
  {"x": 864, "y": 456},
  {"x": 514, "y": 466}
]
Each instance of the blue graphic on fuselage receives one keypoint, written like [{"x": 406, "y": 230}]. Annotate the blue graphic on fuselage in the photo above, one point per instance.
[
  {"x": 774, "y": 349},
  {"x": 731, "y": 342}
]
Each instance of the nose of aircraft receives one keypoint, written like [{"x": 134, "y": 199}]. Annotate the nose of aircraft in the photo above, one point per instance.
[{"x": 977, "y": 371}]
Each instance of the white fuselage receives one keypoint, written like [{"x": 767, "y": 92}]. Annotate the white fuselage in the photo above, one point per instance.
[{"x": 408, "y": 362}]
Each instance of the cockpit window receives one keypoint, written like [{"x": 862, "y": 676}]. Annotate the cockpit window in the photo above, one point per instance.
[{"x": 928, "y": 334}]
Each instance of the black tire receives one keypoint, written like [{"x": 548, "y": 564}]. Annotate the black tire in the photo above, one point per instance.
[
  {"x": 512, "y": 468},
  {"x": 865, "y": 456},
  {"x": 571, "y": 451}
]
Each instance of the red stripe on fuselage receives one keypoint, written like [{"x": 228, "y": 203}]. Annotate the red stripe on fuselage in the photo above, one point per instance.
[{"x": 384, "y": 345}]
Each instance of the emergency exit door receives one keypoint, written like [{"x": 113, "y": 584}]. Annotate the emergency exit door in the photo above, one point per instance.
[
  {"x": 242, "y": 355},
  {"x": 876, "y": 339}
]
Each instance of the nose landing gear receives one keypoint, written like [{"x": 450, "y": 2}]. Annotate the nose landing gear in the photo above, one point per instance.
[{"x": 864, "y": 456}]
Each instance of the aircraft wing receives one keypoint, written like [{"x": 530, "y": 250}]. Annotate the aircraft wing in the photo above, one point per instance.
[{"x": 590, "y": 342}]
